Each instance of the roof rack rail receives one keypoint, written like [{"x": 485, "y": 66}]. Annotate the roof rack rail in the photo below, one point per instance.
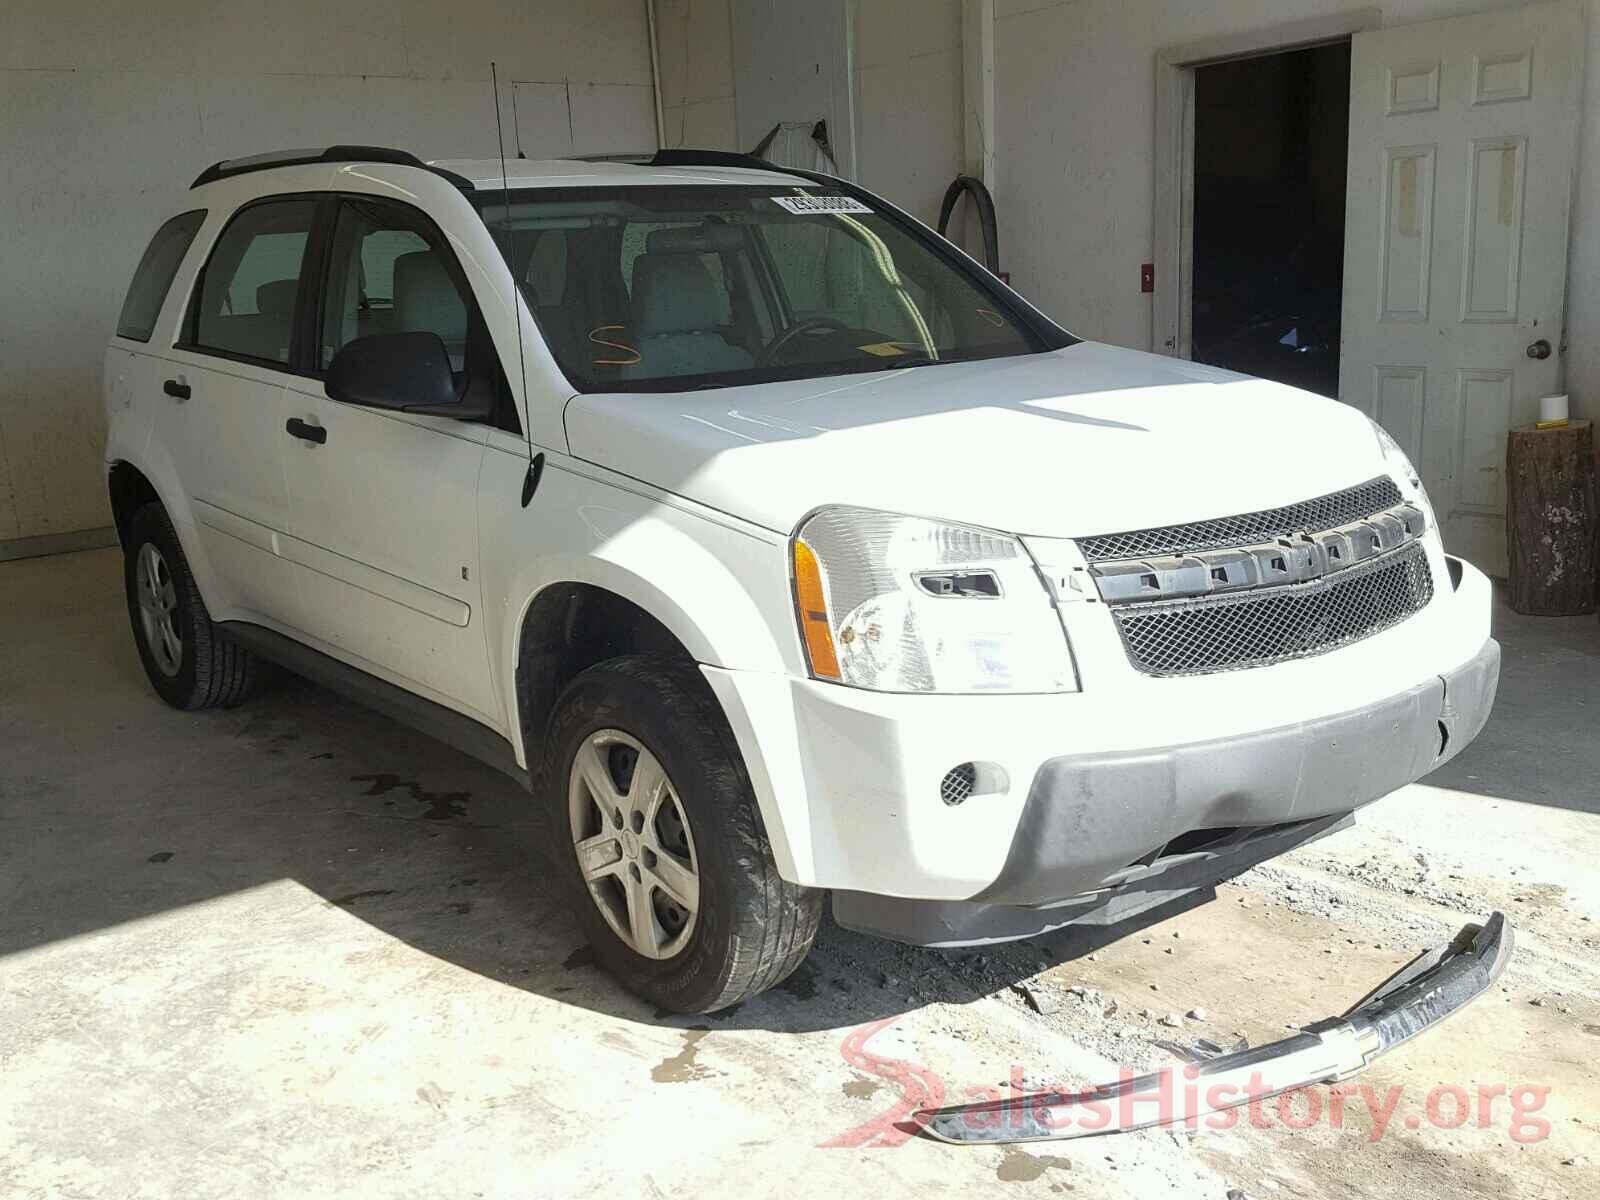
[{"x": 230, "y": 167}]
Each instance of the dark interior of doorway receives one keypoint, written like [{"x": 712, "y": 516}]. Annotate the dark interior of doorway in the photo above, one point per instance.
[{"x": 1271, "y": 137}]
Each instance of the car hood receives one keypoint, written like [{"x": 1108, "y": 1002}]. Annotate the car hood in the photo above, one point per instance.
[{"x": 1088, "y": 439}]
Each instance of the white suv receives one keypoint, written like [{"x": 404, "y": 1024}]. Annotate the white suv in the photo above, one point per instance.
[{"x": 774, "y": 543}]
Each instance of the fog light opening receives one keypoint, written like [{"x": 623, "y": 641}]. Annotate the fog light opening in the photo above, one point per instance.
[{"x": 965, "y": 780}]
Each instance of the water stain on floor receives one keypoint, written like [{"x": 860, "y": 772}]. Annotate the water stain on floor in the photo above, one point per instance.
[
  {"x": 802, "y": 985},
  {"x": 682, "y": 1067},
  {"x": 442, "y": 806},
  {"x": 860, "y": 1089},
  {"x": 1018, "y": 1166}
]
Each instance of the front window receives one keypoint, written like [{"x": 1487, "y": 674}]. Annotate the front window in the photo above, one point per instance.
[{"x": 687, "y": 286}]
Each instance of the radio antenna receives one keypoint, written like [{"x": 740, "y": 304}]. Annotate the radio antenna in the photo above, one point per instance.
[{"x": 530, "y": 481}]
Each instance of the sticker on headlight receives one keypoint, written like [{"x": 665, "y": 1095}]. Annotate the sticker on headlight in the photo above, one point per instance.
[{"x": 806, "y": 206}]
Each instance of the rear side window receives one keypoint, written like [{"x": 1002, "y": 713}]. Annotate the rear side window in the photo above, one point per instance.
[
  {"x": 246, "y": 303},
  {"x": 152, "y": 280}
]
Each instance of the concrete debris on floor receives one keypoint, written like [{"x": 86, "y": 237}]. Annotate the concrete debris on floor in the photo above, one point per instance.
[{"x": 295, "y": 949}]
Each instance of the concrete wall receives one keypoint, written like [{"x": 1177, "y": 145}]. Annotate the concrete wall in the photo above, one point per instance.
[
  {"x": 792, "y": 63},
  {"x": 1076, "y": 128},
  {"x": 895, "y": 63},
  {"x": 908, "y": 100},
  {"x": 696, "y": 51},
  {"x": 107, "y": 113}
]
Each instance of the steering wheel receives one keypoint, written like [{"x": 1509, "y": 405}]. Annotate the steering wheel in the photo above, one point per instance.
[{"x": 785, "y": 339}]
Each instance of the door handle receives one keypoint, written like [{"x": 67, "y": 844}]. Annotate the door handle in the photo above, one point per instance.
[
  {"x": 178, "y": 391},
  {"x": 1539, "y": 349},
  {"x": 306, "y": 431}
]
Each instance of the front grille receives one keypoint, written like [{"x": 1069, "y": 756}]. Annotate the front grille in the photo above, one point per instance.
[
  {"x": 1270, "y": 625},
  {"x": 1324, "y": 512}
]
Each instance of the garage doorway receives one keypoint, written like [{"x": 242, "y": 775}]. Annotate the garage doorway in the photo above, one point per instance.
[
  {"x": 1252, "y": 153},
  {"x": 1271, "y": 139},
  {"x": 1462, "y": 138}
]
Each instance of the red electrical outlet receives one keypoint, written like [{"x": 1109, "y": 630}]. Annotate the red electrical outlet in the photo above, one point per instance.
[{"x": 1147, "y": 277}]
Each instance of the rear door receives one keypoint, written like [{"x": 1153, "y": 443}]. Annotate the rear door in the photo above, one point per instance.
[
  {"x": 384, "y": 504},
  {"x": 1463, "y": 134},
  {"x": 221, "y": 410}
]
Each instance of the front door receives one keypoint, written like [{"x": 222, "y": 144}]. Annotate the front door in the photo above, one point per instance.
[
  {"x": 384, "y": 504},
  {"x": 1463, "y": 134}
]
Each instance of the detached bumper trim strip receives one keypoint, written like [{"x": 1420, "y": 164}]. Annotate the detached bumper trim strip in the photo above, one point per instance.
[{"x": 1424, "y": 992}]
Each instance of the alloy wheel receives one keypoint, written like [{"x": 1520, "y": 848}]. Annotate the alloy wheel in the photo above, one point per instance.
[
  {"x": 632, "y": 840},
  {"x": 158, "y": 609}
]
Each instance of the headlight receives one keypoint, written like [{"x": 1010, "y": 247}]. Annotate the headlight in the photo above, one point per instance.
[
  {"x": 1401, "y": 466},
  {"x": 901, "y": 604}
]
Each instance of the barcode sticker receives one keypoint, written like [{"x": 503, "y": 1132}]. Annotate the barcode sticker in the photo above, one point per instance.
[{"x": 805, "y": 206}]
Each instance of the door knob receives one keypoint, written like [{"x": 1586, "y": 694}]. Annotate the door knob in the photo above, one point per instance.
[{"x": 1539, "y": 349}]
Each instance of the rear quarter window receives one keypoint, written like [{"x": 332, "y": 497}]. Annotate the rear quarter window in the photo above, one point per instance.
[{"x": 153, "y": 278}]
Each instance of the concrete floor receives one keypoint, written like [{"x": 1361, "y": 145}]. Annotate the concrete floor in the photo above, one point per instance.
[{"x": 297, "y": 950}]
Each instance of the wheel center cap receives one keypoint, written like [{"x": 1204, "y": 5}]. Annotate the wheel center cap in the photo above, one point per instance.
[{"x": 630, "y": 843}]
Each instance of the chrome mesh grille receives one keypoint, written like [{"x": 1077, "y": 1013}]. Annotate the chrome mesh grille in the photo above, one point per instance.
[
  {"x": 1324, "y": 512},
  {"x": 1257, "y": 628}
]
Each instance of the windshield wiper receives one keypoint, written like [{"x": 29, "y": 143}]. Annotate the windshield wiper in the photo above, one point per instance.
[{"x": 905, "y": 364}]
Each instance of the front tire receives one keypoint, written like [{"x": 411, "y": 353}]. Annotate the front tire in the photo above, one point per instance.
[
  {"x": 189, "y": 663},
  {"x": 660, "y": 842}
]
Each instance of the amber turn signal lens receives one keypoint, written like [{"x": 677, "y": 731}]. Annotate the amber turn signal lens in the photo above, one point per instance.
[{"x": 813, "y": 611}]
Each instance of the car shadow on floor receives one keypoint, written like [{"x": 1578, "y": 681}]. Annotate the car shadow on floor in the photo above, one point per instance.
[{"x": 390, "y": 827}]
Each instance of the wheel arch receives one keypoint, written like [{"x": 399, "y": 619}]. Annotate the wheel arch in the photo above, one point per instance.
[
  {"x": 717, "y": 624},
  {"x": 566, "y": 627},
  {"x": 651, "y": 589},
  {"x": 131, "y": 485},
  {"x": 130, "y": 489}
]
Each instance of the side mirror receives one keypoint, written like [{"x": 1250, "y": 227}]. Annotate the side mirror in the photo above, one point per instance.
[{"x": 405, "y": 372}]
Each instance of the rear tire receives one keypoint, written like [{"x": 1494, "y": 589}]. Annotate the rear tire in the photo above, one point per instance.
[
  {"x": 190, "y": 664},
  {"x": 695, "y": 887}
]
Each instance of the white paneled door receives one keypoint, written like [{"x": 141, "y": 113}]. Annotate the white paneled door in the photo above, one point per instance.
[{"x": 1462, "y": 141}]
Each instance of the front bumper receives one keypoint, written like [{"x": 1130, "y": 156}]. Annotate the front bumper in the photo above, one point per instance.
[
  {"x": 1080, "y": 791},
  {"x": 1106, "y": 837},
  {"x": 1417, "y": 997}
]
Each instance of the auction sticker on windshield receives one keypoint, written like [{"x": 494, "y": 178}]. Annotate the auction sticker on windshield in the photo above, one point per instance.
[{"x": 805, "y": 206}]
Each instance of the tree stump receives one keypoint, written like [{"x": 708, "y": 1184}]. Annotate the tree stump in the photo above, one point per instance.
[{"x": 1550, "y": 520}]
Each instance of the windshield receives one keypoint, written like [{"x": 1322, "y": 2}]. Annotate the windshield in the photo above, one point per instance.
[{"x": 675, "y": 287}]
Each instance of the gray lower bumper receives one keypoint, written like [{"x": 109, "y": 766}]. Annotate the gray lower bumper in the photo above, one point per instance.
[
  {"x": 1413, "y": 1000},
  {"x": 1104, "y": 837}
]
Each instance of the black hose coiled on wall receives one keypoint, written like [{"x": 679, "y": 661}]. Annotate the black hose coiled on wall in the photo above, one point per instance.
[{"x": 985, "y": 202}]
